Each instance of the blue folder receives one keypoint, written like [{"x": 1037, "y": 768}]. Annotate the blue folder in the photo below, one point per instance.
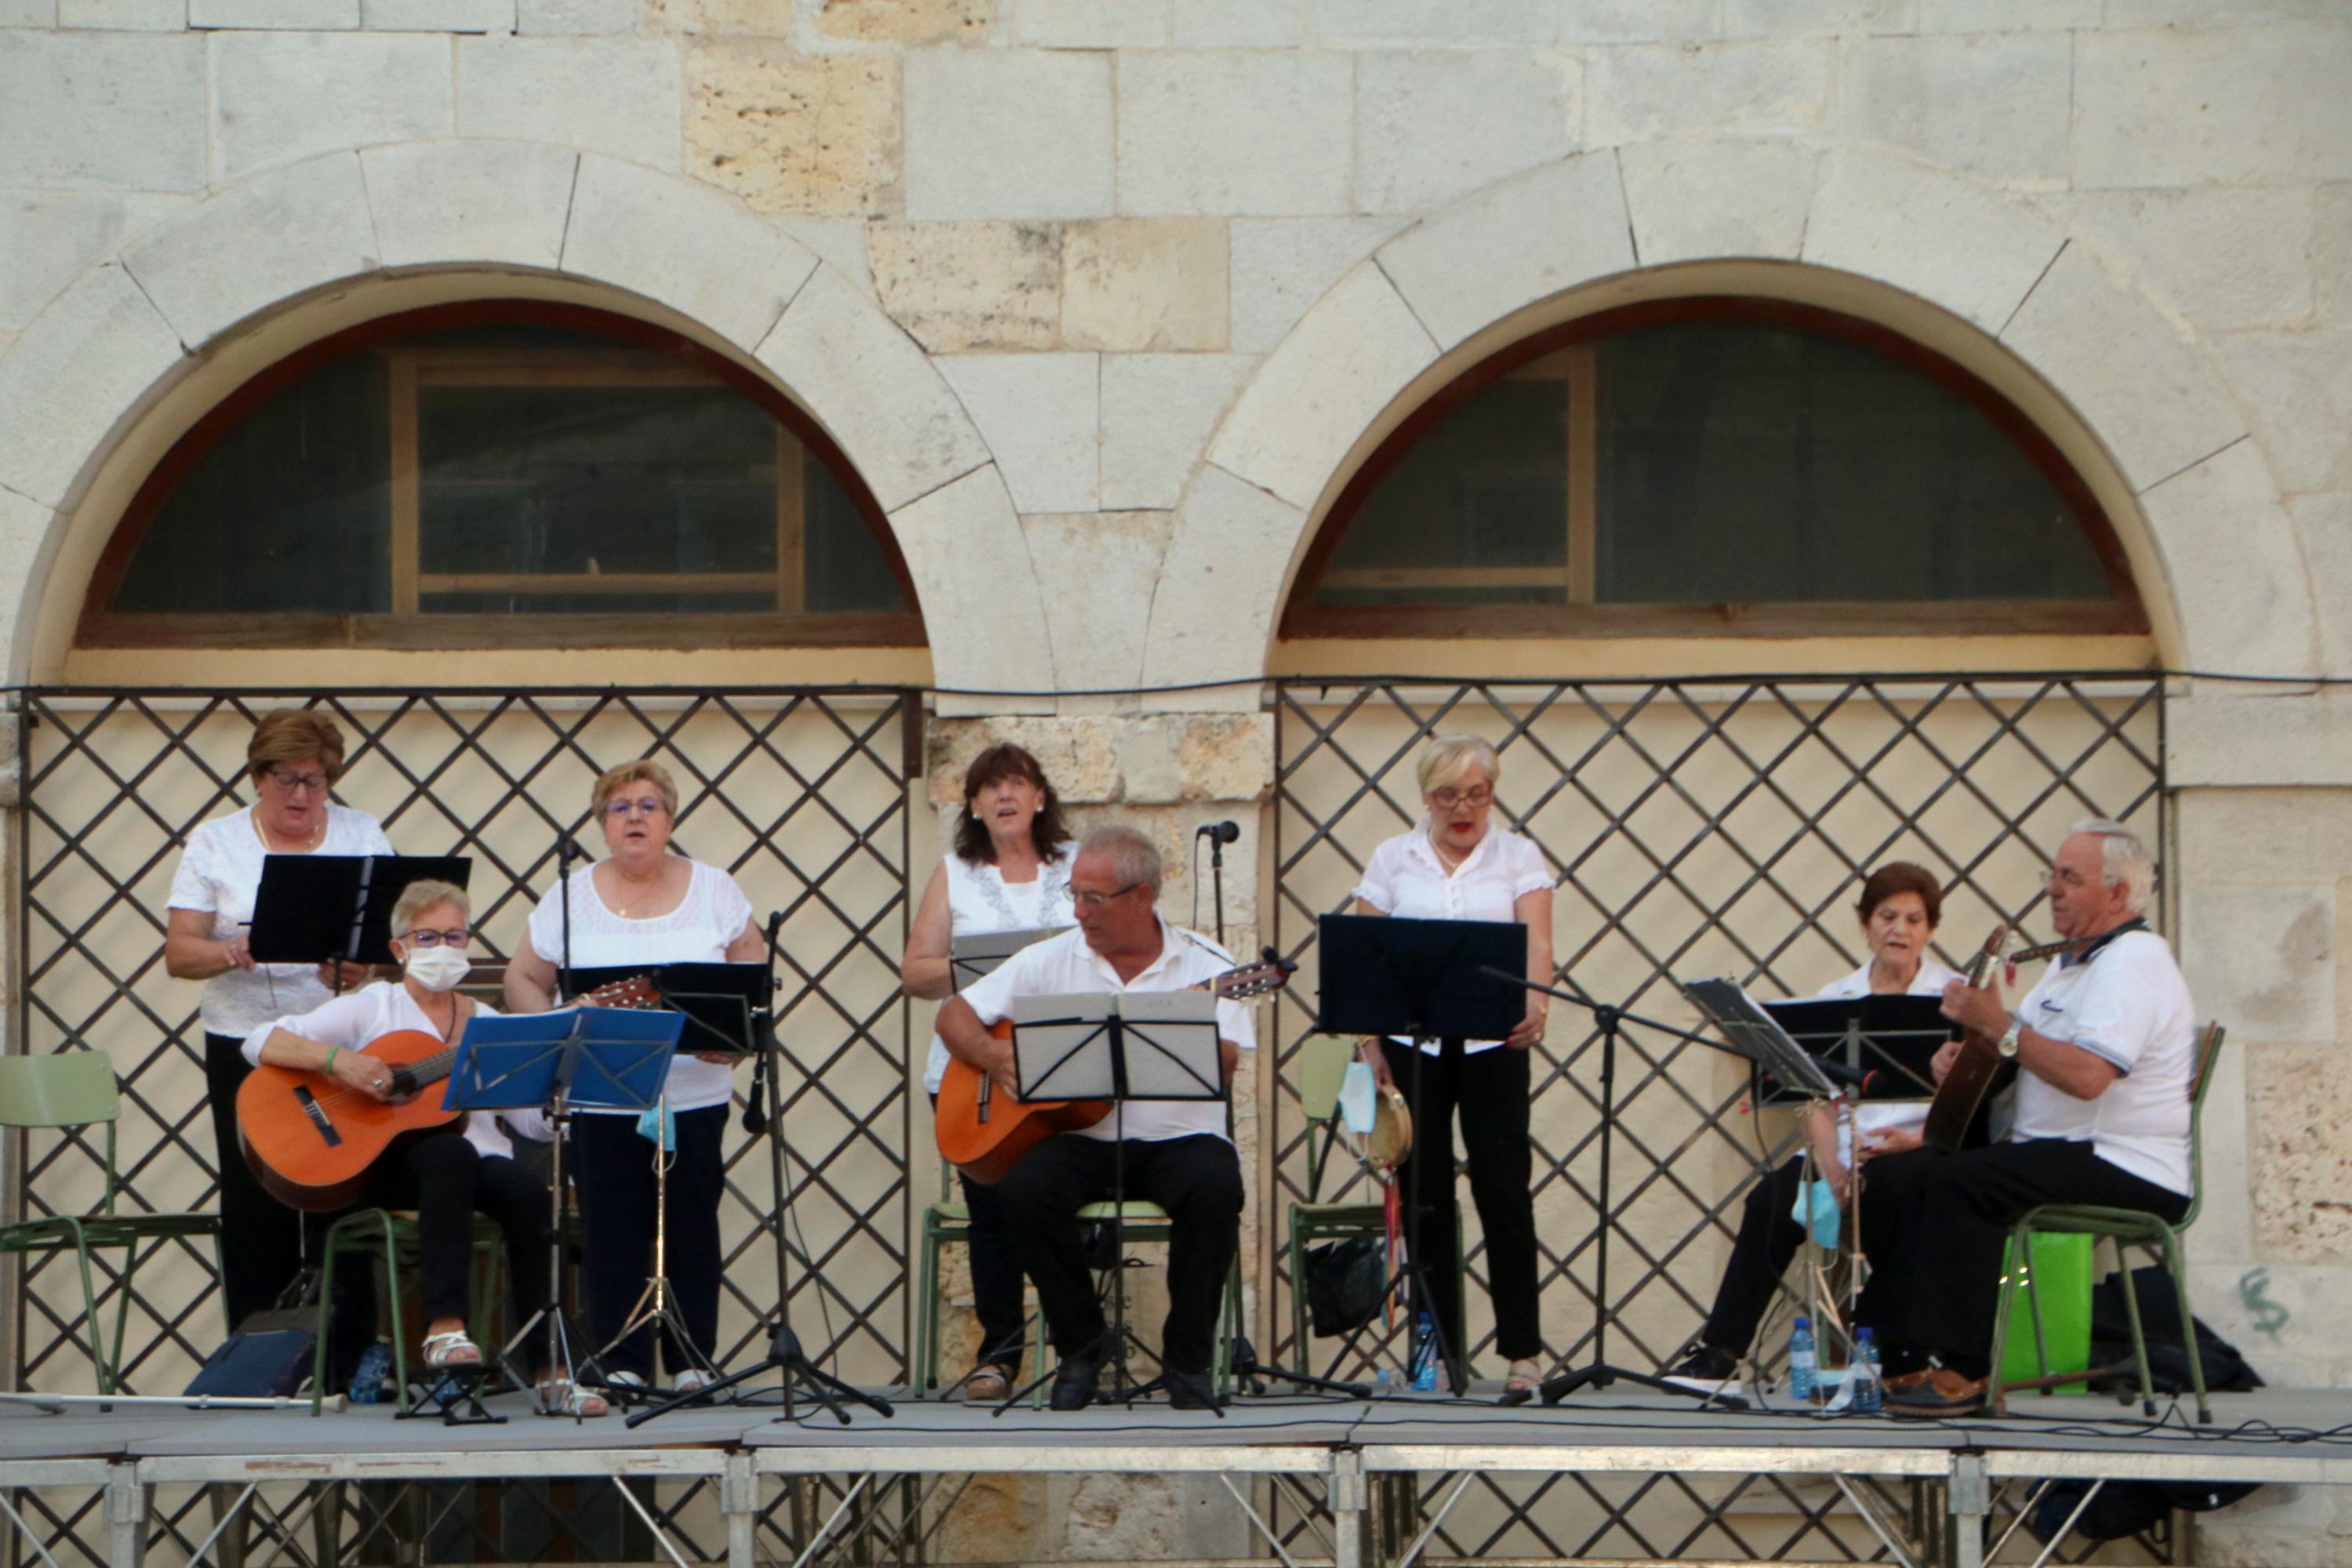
[{"x": 612, "y": 1058}]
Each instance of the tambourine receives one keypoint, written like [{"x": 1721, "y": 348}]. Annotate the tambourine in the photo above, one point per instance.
[{"x": 1391, "y": 1139}]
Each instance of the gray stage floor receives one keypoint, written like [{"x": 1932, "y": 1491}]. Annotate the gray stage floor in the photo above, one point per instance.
[{"x": 1422, "y": 1431}]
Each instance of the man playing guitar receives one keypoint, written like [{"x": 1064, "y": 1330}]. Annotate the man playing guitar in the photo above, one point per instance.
[
  {"x": 2105, "y": 1046},
  {"x": 1177, "y": 1154}
]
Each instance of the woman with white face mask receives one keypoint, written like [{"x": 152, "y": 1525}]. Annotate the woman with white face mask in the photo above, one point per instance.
[{"x": 448, "y": 1176}]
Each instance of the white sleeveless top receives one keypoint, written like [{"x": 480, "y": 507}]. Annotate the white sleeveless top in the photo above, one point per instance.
[
  {"x": 712, "y": 914},
  {"x": 981, "y": 900}
]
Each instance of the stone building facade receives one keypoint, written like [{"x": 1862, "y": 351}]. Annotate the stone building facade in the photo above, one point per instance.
[{"x": 1105, "y": 301}]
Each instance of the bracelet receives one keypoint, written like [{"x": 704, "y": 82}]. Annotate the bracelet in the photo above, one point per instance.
[{"x": 330, "y": 1065}]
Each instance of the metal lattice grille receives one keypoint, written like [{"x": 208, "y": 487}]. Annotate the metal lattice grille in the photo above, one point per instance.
[
  {"x": 1695, "y": 828},
  {"x": 800, "y": 795}
]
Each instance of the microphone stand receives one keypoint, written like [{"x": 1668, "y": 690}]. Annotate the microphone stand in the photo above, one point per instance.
[{"x": 1598, "y": 1373}]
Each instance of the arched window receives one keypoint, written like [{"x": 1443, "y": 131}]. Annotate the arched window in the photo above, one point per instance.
[
  {"x": 502, "y": 473},
  {"x": 1713, "y": 466}
]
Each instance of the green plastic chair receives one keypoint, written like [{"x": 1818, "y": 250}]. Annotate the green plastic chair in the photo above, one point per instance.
[
  {"x": 390, "y": 1236},
  {"x": 2127, "y": 1229},
  {"x": 1322, "y": 1066},
  {"x": 72, "y": 1090},
  {"x": 945, "y": 1224}
]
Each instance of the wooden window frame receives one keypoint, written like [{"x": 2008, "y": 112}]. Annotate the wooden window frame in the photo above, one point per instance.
[
  {"x": 411, "y": 370},
  {"x": 1567, "y": 352}
]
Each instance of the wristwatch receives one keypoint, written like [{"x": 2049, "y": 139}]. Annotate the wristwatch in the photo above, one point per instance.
[{"x": 2009, "y": 1040}]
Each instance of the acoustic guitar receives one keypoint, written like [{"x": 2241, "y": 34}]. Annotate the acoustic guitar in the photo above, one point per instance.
[
  {"x": 314, "y": 1142},
  {"x": 984, "y": 1134},
  {"x": 1973, "y": 1070}
]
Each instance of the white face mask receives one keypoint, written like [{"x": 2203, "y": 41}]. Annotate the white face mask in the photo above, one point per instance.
[{"x": 438, "y": 968}]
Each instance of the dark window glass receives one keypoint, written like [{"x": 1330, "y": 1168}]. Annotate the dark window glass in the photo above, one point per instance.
[
  {"x": 508, "y": 470},
  {"x": 1713, "y": 462}
]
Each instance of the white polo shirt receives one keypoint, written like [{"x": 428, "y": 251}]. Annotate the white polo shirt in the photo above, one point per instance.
[
  {"x": 2126, "y": 1004},
  {"x": 1064, "y": 966},
  {"x": 1885, "y": 1115},
  {"x": 1405, "y": 878}
]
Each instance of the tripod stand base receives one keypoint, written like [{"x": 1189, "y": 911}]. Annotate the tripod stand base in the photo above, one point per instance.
[
  {"x": 1601, "y": 1374},
  {"x": 1248, "y": 1371}
]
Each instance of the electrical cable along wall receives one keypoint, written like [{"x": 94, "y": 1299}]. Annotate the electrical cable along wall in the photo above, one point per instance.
[{"x": 1697, "y": 828}]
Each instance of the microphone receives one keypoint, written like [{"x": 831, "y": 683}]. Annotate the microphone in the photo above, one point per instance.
[
  {"x": 775, "y": 924},
  {"x": 1838, "y": 1072},
  {"x": 755, "y": 1111},
  {"x": 1218, "y": 832}
]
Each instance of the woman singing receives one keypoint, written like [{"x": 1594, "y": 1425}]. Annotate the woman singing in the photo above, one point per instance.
[
  {"x": 639, "y": 908},
  {"x": 1457, "y": 866},
  {"x": 1009, "y": 870},
  {"x": 294, "y": 757},
  {"x": 445, "y": 1177},
  {"x": 1900, "y": 908}
]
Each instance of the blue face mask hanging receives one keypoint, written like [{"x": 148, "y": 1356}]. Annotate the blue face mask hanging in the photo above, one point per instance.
[
  {"x": 658, "y": 1125},
  {"x": 1825, "y": 1215}
]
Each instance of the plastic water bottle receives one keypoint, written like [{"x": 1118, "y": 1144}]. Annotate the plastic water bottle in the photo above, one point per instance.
[
  {"x": 1803, "y": 1364},
  {"x": 1424, "y": 1353},
  {"x": 367, "y": 1378},
  {"x": 1869, "y": 1387}
]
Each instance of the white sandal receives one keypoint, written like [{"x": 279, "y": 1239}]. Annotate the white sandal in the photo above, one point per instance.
[
  {"x": 453, "y": 1349},
  {"x": 562, "y": 1396}
]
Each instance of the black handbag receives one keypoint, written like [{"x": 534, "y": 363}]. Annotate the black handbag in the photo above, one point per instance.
[
  {"x": 271, "y": 1354},
  {"x": 1345, "y": 1282}
]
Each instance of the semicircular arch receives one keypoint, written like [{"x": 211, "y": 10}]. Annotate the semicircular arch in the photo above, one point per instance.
[{"x": 1968, "y": 272}]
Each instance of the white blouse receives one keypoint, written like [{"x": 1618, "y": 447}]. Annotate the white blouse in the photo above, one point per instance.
[
  {"x": 980, "y": 900},
  {"x": 220, "y": 875},
  {"x": 381, "y": 1007},
  {"x": 1406, "y": 877},
  {"x": 712, "y": 914},
  {"x": 1883, "y": 1115}
]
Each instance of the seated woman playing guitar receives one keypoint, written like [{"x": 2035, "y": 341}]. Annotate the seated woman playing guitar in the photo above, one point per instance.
[{"x": 446, "y": 1173}]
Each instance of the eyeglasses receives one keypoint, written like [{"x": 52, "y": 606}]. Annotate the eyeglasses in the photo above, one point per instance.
[
  {"x": 2069, "y": 880},
  {"x": 1477, "y": 795},
  {"x": 1099, "y": 900},
  {"x": 291, "y": 782},
  {"x": 459, "y": 937},
  {"x": 652, "y": 805}
]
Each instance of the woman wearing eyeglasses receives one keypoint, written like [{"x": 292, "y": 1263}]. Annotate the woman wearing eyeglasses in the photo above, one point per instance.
[
  {"x": 293, "y": 760},
  {"x": 1456, "y": 865},
  {"x": 638, "y": 908},
  {"x": 450, "y": 1175}
]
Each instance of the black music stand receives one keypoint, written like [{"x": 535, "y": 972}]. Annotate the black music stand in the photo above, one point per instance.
[
  {"x": 1425, "y": 980},
  {"x": 608, "y": 1058},
  {"x": 1598, "y": 1373},
  {"x": 312, "y": 908},
  {"x": 971, "y": 957},
  {"x": 1117, "y": 1047},
  {"x": 1889, "y": 1041}
]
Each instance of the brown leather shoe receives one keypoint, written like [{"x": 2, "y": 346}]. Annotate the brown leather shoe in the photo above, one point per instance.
[
  {"x": 1908, "y": 1379},
  {"x": 1942, "y": 1391}
]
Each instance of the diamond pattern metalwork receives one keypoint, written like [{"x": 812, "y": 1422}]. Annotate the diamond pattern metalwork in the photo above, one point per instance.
[
  {"x": 1697, "y": 828},
  {"x": 800, "y": 793}
]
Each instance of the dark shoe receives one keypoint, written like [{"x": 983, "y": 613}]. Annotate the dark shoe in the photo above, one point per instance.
[
  {"x": 1190, "y": 1391},
  {"x": 1942, "y": 1391},
  {"x": 1708, "y": 1369},
  {"x": 1074, "y": 1386}
]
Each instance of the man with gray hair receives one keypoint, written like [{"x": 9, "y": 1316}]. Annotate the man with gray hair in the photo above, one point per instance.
[
  {"x": 2104, "y": 1048},
  {"x": 1175, "y": 1153}
]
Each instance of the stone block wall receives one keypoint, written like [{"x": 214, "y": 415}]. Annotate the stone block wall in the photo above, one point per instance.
[{"x": 1102, "y": 297}]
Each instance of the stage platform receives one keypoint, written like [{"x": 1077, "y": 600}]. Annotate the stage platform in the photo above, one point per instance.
[{"x": 2285, "y": 1436}]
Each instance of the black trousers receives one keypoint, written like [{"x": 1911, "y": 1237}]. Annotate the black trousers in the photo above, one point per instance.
[
  {"x": 1933, "y": 1225},
  {"x": 612, "y": 1169},
  {"x": 260, "y": 1239},
  {"x": 996, "y": 1286},
  {"x": 1490, "y": 1089},
  {"x": 1769, "y": 1238},
  {"x": 1198, "y": 1180},
  {"x": 447, "y": 1181}
]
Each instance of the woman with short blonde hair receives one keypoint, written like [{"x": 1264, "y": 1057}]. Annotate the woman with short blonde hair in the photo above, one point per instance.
[
  {"x": 1456, "y": 865},
  {"x": 641, "y": 906}
]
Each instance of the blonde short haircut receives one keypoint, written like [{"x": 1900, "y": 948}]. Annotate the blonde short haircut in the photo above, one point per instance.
[
  {"x": 420, "y": 896},
  {"x": 645, "y": 770},
  {"x": 1450, "y": 756},
  {"x": 294, "y": 735}
]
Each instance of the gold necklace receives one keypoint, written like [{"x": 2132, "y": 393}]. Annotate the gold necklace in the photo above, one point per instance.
[
  {"x": 302, "y": 846},
  {"x": 622, "y": 877}
]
